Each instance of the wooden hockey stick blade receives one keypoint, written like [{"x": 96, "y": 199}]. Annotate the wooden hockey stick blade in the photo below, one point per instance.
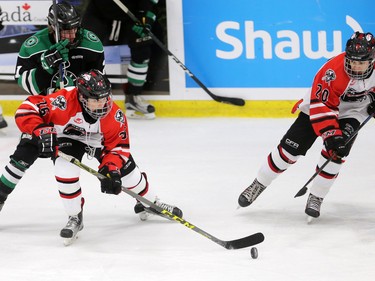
[{"x": 233, "y": 244}]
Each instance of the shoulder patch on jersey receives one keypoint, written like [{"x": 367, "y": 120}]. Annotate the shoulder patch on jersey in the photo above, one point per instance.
[
  {"x": 92, "y": 37},
  {"x": 119, "y": 116},
  {"x": 58, "y": 102},
  {"x": 329, "y": 76},
  {"x": 91, "y": 42},
  {"x": 31, "y": 42}
]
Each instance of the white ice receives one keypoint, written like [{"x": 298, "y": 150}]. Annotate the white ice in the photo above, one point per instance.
[{"x": 201, "y": 165}]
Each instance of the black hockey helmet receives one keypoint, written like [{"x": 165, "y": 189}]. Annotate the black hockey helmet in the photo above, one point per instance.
[
  {"x": 67, "y": 18},
  {"x": 94, "y": 85},
  {"x": 360, "y": 47}
]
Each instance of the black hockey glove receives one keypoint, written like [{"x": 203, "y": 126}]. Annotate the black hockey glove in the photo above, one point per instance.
[
  {"x": 335, "y": 145},
  {"x": 56, "y": 54},
  {"x": 112, "y": 183},
  {"x": 147, "y": 20},
  {"x": 47, "y": 140}
]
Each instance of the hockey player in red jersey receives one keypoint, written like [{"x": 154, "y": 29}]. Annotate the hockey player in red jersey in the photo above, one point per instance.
[
  {"x": 341, "y": 98},
  {"x": 77, "y": 50},
  {"x": 85, "y": 120},
  {"x": 37, "y": 72}
]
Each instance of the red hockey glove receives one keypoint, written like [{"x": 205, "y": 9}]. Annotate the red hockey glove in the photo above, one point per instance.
[{"x": 112, "y": 183}]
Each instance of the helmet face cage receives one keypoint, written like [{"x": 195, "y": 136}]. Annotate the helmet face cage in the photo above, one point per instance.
[
  {"x": 360, "y": 47},
  {"x": 67, "y": 18},
  {"x": 92, "y": 87}
]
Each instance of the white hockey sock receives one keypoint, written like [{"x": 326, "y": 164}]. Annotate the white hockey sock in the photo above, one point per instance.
[{"x": 277, "y": 162}]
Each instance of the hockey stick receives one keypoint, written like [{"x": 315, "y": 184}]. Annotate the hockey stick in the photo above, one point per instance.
[
  {"x": 57, "y": 39},
  {"x": 303, "y": 190},
  {"x": 244, "y": 242},
  {"x": 228, "y": 100}
]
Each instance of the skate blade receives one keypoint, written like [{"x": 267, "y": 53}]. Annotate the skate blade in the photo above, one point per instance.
[
  {"x": 131, "y": 114},
  {"x": 310, "y": 219},
  {"x": 69, "y": 241},
  {"x": 150, "y": 212},
  {"x": 3, "y": 131},
  {"x": 143, "y": 216}
]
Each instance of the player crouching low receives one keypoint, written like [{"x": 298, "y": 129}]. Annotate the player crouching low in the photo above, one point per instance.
[{"x": 84, "y": 120}]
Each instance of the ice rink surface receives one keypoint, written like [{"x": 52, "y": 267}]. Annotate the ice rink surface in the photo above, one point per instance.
[{"x": 200, "y": 165}]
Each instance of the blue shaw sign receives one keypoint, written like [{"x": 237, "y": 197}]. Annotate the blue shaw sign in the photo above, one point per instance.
[{"x": 267, "y": 44}]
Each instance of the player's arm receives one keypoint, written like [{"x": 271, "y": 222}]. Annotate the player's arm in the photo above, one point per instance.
[
  {"x": 329, "y": 84},
  {"x": 31, "y": 113},
  {"x": 30, "y": 75},
  {"x": 33, "y": 117},
  {"x": 97, "y": 62},
  {"x": 36, "y": 66},
  {"x": 324, "y": 102},
  {"x": 94, "y": 50},
  {"x": 116, "y": 146},
  {"x": 146, "y": 16},
  {"x": 116, "y": 152}
]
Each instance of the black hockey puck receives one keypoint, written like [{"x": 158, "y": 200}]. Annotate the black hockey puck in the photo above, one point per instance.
[{"x": 254, "y": 252}]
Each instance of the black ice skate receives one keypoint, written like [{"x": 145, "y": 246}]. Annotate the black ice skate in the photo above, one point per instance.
[
  {"x": 1, "y": 205},
  {"x": 141, "y": 211},
  {"x": 70, "y": 231},
  {"x": 138, "y": 108},
  {"x": 144, "y": 211},
  {"x": 313, "y": 206},
  {"x": 251, "y": 193}
]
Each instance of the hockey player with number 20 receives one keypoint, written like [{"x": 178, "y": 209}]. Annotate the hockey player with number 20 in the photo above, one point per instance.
[
  {"x": 85, "y": 120},
  {"x": 341, "y": 98}
]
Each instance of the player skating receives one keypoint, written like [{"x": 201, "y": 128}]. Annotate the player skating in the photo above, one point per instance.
[
  {"x": 37, "y": 72},
  {"x": 341, "y": 98},
  {"x": 82, "y": 121}
]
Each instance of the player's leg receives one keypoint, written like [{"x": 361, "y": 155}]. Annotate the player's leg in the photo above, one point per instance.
[
  {"x": 136, "y": 181},
  {"x": 67, "y": 177},
  {"x": 327, "y": 177},
  {"x": 23, "y": 157},
  {"x": 3, "y": 122},
  {"x": 140, "y": 50},
  {"x": 295, "y": 143}
]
